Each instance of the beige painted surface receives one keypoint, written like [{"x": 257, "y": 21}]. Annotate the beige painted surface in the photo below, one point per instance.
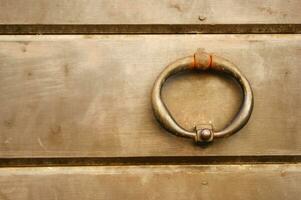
[
  {"x": 152, "y": 182},
  {"x": 149, "y": 12},
  {"x": 90, "y": 95}
]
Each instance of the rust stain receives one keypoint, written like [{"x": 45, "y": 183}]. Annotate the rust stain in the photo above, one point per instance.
[
  {"x": 202, "y": 60},
  {"x": 210, "y": 61},
  {"x": 194, "y": 62}
]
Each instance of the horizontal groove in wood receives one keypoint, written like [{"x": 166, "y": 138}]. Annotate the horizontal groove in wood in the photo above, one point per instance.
[
  {"x": 151, "y": 160},
  {"x": 33, "y": 29}
]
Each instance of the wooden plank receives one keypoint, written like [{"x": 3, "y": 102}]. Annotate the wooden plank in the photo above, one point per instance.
[
  {"x": 78, "y": 96},
  {"x": 152, "y": 182},
  {"x": 149, "y": 12}
]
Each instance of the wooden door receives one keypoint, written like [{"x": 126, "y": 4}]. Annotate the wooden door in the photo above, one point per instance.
[{"x": 75, "y": 111}]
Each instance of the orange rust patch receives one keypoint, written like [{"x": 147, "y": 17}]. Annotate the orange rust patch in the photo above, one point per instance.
[
  {"x": 202, "y": 60},
  {"x": 194, "y": 62},
  {"x": 210, "y": 61}
]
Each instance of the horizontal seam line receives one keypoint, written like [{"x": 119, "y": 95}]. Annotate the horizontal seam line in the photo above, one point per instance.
[
  {"x": 40, "y": 29},
  {"x": 151, "y": 160}
]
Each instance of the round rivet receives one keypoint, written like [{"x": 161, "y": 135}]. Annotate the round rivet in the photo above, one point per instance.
[{"x": 206, "y": 134}]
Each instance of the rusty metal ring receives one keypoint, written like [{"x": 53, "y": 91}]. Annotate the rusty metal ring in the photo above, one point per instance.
[{"x": 202, "y": 61}]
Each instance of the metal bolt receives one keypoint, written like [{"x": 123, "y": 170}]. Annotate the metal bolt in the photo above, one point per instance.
[{"x": 206, "y": 134}]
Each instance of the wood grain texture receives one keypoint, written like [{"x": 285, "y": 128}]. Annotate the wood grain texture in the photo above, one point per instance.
[
  {"x": 152, "y": 182},
  {"x": 88, "y": 95},
  {"x": 149, "y": 12}
]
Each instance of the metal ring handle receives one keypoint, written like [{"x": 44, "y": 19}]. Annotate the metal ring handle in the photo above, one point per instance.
[{"x": 202, "y": 61}]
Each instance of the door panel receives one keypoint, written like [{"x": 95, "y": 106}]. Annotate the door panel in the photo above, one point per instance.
[
  {"x": 90, "y": 95},
  {"x": 152, "y": 182},
  {"x": 75, "y": 112},
  {"x": 149, "y": 12}
]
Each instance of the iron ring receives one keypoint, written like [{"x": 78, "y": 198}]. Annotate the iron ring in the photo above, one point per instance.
[{"x": 202, "y": 61}]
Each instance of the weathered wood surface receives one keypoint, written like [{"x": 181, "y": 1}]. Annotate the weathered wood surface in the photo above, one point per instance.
[
  {"x": 152, "y": 182},
  {"x": 90, "y": 95},
  {"x": 149, "y": 12}
]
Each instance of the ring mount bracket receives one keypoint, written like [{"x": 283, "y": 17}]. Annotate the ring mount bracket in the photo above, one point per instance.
[
  {"x": 202, "y": 61},
  {"x": 204, "y": 133}
]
